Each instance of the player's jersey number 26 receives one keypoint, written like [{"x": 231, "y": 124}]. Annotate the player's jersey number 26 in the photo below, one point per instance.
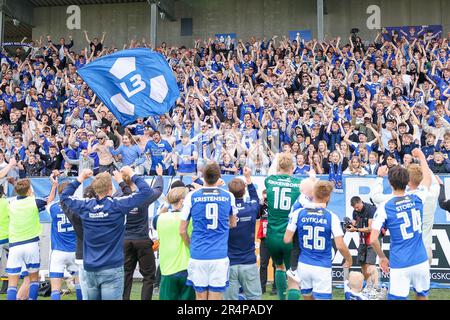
[
  {"x": 282, "y": 199},
  {"x": 312, "y": 239}
]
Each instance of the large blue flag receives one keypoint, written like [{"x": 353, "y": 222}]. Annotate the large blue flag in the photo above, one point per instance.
[{"x": 132, "y": 83}]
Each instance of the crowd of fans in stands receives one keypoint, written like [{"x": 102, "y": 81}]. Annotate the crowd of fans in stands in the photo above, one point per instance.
[{"x": 337, "y": 108}]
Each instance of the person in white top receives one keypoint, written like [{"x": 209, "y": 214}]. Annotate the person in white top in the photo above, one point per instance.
[
  {"x": 430, "y": 204},
  {"x": 355, "y": 167}
]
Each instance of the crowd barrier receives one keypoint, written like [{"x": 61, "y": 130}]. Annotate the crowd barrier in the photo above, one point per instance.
[{"x": 340, "y": 204}]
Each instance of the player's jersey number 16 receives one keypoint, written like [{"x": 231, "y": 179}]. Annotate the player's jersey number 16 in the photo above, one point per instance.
[{"x": 282, "y": 200}]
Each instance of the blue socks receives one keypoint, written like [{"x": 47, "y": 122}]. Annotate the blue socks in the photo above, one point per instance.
[
  {"x": 11, "y": 293},
  {"x": 34, "y": 289},
  {"x": 78, "y": 291},
  {"x": 56, "y": 295}
]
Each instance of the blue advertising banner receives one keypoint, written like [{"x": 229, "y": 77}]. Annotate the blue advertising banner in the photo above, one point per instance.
[
  {"x": 413, "y": 32},
  {"x": 304, "y": 35}
]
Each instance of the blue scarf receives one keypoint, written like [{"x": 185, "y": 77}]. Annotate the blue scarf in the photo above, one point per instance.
[{"x": 336, "y": 177}]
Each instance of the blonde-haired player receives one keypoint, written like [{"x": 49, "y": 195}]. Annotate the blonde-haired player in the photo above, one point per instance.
[{"x": 282, "y": 191}]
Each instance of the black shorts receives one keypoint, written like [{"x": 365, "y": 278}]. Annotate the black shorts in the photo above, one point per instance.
[{"x": 366, "y": 255}]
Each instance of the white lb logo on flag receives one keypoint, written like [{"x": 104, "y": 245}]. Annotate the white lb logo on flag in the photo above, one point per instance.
[{"x": 121, "y": 68}]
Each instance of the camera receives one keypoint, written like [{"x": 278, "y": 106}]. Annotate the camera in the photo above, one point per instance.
[
  {"x": 347, "y": 223},
  {"x": 354, "y": 31}
]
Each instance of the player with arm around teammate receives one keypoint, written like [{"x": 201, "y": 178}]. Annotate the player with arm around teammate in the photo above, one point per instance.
[
  {"x": 213, "y": 212},
  {"x": 316, "y": 227},
  {"x": 304, "y": 200},
  {"x": 402, "y": 216}
]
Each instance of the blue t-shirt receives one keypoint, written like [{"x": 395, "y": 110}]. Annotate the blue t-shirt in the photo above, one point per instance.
[
  {"x": 63, "y": 236},
  {"x": 402, "y": 216},
  {"x": 186, "y": 166},
  {"x": 209, "y": 209},
  {"x": 302, "y": 170},
  {"x": 315, "y": 227},
  {"x": 157, "y": 151}
]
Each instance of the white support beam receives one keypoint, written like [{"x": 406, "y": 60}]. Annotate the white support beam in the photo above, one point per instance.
[
  {"x": 153, "y": 23},
  {"x": 320, "y": 20},
  {"x": 2, "y": 25}
]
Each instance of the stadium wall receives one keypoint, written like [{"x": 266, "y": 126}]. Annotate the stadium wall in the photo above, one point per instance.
[{"x": 248, "y": 18}]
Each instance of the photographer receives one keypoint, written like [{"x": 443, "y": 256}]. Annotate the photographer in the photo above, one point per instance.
[{"x": 362, "y": 221}]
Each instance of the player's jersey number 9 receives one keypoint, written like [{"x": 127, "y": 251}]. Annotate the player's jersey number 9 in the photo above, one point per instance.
[{"x": 212, "y": 213}]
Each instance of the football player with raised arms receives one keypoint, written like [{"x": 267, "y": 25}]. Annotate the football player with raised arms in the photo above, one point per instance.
[
  {"x": 402, "y": 216},
  {"x": 213, "y": 212}
]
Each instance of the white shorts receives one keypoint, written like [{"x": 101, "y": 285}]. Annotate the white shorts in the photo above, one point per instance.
[
  {"x": 315, "y": 281},
  {"x": 402, "y": 278},
  {"x": 60, "y": 260},
  {"x": 23, "y": 255},
  {"x": 208, "y": 275}
]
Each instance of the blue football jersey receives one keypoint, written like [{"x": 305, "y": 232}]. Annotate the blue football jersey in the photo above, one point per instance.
[
  {"x": 402, "y": 216},
  {"x": 63, "y": 236},
  {"x": 316, "y": 227},
  {"x": 209, "y": 209}
]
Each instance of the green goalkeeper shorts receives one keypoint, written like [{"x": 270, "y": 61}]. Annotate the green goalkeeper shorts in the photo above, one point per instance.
[
  {"x": 173, "y": 287},
  {"x": 280, "y": 252}
]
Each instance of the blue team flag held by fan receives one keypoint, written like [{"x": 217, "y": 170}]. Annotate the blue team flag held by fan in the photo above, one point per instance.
[{"x": 132, "y": 83}]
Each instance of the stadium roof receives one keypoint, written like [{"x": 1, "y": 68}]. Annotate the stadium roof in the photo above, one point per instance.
[{"x": 49, "y": 3}]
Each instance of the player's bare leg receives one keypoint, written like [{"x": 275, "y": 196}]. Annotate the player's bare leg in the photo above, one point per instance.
[
  {"x": 24, "y": 291},
  {"x": 373, "y": 275},
  {"x": 56, "y": 288},
  {"x": 421, "y": 297},
  {"x": 308, "y": 297},
  {"x": 201, "y": 295},
  {"x": 215, "y": 295}
]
